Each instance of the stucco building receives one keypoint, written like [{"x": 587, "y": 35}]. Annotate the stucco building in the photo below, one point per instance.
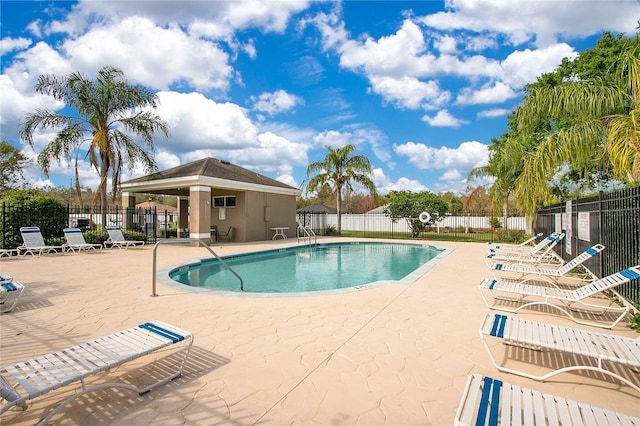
[{"x": 216, "y": 193}]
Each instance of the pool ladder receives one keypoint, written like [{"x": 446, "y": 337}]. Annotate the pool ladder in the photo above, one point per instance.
[
  {"x": 307, "y": 232},
  {"x": 190, "y": 241}
]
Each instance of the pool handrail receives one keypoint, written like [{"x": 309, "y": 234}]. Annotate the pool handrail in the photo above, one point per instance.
[
  {"x": 182, "y": 241},
  {"x": 308, "y": 233}
]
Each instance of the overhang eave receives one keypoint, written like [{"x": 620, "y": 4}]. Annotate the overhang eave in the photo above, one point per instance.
[{"x": 180, "y": 186}]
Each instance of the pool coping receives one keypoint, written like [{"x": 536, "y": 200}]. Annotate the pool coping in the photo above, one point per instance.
[{"x": 162, "y": 275}]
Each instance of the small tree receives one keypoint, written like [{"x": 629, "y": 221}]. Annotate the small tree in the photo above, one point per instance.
[
  {"x": 409, "y": 205},
  {"x": 11, "y": 165}
]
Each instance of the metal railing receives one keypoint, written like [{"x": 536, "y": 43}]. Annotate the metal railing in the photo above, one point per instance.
[
  {"x": 190, "y": 241},
  {"x": 307, "y": 233},
  {"x": 608, "y": 218}
]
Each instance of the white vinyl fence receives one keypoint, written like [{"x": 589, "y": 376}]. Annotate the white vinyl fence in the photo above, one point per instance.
[{"x": 383, "y": 223}]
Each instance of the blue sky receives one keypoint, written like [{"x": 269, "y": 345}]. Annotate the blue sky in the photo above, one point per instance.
[{"x": 420, "y": 87}]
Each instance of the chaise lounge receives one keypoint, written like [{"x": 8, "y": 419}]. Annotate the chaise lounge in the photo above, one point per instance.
[
  {"x": 550, "y": 275},
  {"x": 75, "y": 364},
  {"x": 578, "y": 299},
  {"x": 487, "y": 401},
  {"x": 116, "y": 239},
  {"x": 609, "y": 354},
  {"x": 10, "y": 292},
  {"x": 33, "y": 242},
  {"x": 76, "y": 241}
]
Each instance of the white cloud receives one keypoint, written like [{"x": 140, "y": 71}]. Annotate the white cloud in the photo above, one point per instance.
[
  {"x": 384, "y": 184},
  {"x": 197, "y": 122},
  {"x": 141, "y": 49},
  {"x": 488, "y": 94},
  {"x": 276, "y": 102},
  {"x": 409, "y": 92},
  {"x": 32, "y": 62},
  {"x": 446, "y": 44},
  {"x": 9, "y": 44},
  {"x": 494, "y": 112},
  {"x": 217, "y": 19},
  {"x": 463, "y": 158},
  {"x": 166, "y": 160},
  {"x": 403, "y": 53},
  {"x": 452, "y": 174},
  {"x": 539, "y": 21},
  {"x": 360, "y": 136},
  {"x": 525, "y": 66},
  {"x": 332, "y": 138},
  {"x": 443, "y": 119},
  {"x": 14, "y": 105}
]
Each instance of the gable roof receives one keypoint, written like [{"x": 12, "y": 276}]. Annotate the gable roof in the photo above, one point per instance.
[
  {"x": 210, "y": 172},
  {"x": 316, "y": 208}
]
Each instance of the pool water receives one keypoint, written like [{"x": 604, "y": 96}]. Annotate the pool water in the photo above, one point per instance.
[{"x": 309, "y": 268}]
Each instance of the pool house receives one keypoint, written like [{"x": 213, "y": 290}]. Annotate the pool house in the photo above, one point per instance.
[{"x": 216, "y": 197}]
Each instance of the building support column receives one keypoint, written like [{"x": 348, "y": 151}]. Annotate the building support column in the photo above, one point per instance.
[
  {"x": 183, "y": 217},
  {"x": 200, "y": 202},
  {"x": 128, "y": 205}
]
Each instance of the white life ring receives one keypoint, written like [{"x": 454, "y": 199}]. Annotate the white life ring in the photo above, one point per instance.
[{"x": 424, "y": 217}]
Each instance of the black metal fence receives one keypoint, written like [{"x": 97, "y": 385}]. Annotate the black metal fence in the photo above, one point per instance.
[
  {"x": 611, "y": 219},
  {"x": 146, "y": 224}
]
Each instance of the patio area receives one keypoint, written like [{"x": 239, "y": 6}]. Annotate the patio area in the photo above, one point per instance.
[{"x": 389, "y": 355}]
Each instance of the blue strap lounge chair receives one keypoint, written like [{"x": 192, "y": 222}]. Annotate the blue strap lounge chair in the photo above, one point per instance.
[
  {"x": 552, "y": 275},
  {"x": 579, "y": 299},
  {"x": 116, "y": 239},
  {"x": 10, "y": 292},
  {"x": 540, "y": 257},
  {"x": 27, "y": 380},
  {"x": 605, "y": 353},
  {"x": 523, "y": 244},
  {"x": 33, "y": 242},
  {"x": 488, "y": 401},
  {"x": 524, "y": 249},
  {"x": 76, "y": 242}
]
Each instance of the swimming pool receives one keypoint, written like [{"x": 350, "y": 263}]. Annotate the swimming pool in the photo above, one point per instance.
[{"x": 312, "y": 269}]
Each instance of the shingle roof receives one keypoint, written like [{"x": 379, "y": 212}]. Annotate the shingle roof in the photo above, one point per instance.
[
  {"x": 316, "y": 208},
  {"x": 215, "y": 168}
]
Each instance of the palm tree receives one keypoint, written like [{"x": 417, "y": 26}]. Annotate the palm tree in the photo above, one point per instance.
[
  {"x": 336, "y": 172},
  {"x": 505, "y": 165},
  {"x": 106, "y": 111},
  {"x": 595, "y": 125}
]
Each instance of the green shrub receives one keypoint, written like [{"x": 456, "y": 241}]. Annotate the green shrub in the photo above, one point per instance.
[
  {"x": 33, "y": 208},
  {"x": 95, "y": 236},
  {"x": 330, "y": 230},
  {"x": 135, "y": 236}
]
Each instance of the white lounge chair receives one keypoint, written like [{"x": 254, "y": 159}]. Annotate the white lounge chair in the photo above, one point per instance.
[
  {"x": 33, "y": 242},
  {"x": 523, "y": 249},
  {"x": 76, "y": 241},
  {"x": 530, "y": 272},
  {"x": 541, "y": 257},
  {"x": 116, "y": 239},
  {"x": 522, "y": 244},
  {"x": 601, "y": 352},
  {"x": 578, "y": 299},
  {"x": 487, "y": 401},
  {"x": 8, "y": 252},
  {"x": 74, "y": 364},
  {"x": 10, "y": 292}
]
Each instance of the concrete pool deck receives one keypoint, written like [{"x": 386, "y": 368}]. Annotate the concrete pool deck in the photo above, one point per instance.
[{"x": 389, "y": 355}]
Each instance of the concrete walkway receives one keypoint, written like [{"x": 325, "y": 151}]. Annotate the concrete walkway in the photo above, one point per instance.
[{"x": 391, "y": 355}]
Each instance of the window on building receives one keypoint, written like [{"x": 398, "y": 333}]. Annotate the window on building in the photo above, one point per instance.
[{"x": 220, "y": 202}]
